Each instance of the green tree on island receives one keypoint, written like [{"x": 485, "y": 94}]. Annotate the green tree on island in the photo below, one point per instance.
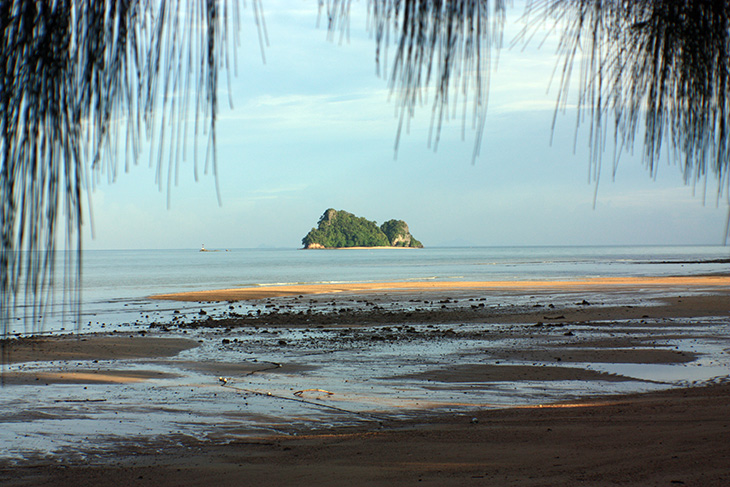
[
  {"x": 398, "y": 234},
  {"x": 339, "y": 229}
]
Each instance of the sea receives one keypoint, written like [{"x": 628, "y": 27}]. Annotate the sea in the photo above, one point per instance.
[{"x": 115, "y": 284}]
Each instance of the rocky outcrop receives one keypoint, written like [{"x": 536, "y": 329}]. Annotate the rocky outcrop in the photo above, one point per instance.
[
  {"x": 398, "y": 234},
  {"x": 341, "y": 229}
]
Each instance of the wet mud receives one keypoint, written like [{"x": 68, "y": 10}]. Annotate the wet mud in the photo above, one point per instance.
[{"x": 223, "y": 372}]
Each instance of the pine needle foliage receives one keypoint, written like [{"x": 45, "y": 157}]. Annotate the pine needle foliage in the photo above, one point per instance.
[
  {"x": 80, "y": 80},
  {"x": 655, "y": 70},
  {"x": 448, "y": 46}
]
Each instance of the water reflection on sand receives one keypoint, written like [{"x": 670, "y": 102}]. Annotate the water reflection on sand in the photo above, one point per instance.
[{"x": 254, "y": 380}]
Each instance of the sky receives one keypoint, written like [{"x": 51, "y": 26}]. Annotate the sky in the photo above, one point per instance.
[{"x": 314, "y": 127}]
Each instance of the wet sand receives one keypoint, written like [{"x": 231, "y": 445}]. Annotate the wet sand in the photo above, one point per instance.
[
  {"x": 91, "y": 347},
  {"x": 671, "y": 437},
  {"x": 664, "y": 439}
]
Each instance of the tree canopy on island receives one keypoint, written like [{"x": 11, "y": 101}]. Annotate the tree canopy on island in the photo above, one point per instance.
[
  {"x": 341, "y": 229},
  {"x": 398, "y": 234}
]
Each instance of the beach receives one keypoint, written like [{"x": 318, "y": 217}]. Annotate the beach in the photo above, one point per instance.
[
  {"x": 587, "y": 382},
  {"x": 262, "y": 292}
]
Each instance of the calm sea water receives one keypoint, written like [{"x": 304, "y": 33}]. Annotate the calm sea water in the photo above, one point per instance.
[
  {"x": 138, "y": 273},
  {"x": 119, "y": 280}
]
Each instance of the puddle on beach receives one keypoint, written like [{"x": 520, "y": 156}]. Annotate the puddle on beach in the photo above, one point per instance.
[{"x": 253, "y": 382}]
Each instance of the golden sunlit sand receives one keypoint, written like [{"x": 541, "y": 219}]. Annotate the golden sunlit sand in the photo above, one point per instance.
[
  {"x": 262, "y": 292},
  {"x": 76, "y": 377}
]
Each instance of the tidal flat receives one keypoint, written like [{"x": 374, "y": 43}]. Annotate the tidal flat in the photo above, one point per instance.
[{"x": 353, "y": 364}]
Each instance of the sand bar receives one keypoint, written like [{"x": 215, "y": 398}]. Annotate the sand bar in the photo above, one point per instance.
[{"x": 263, "y": 292}]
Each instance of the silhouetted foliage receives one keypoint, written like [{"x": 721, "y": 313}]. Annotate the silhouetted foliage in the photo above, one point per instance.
[
  {"x": 445, "y": 45},
  {"x": 657, "y": 70},
  {"x": 80, "y": 78}
]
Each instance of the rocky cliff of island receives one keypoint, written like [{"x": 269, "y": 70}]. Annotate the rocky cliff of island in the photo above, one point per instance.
[{"x": 341, "y": 229}]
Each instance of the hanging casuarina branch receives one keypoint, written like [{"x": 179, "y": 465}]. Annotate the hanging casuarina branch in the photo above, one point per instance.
[
  {"x": 444, "y": 45},
  {"x": 83, "y": 80},
  {"x": 654, "y": 70}
]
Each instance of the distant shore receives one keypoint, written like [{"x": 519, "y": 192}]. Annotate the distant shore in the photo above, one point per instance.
[{"x": 263, "y": 292}]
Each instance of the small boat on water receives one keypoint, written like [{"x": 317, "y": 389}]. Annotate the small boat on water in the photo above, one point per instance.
[{"x": 203, "y": 249}]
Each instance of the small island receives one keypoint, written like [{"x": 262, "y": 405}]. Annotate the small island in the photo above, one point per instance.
[{"x": 341, "y": 229}]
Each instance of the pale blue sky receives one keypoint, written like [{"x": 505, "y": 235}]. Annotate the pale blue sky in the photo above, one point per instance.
[{"x": 314, "y": 128}]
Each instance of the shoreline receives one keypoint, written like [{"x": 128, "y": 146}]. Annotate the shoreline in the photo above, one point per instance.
[
  {"x": 593, "y": 284},
  {"x": 390, "y": 247}
]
